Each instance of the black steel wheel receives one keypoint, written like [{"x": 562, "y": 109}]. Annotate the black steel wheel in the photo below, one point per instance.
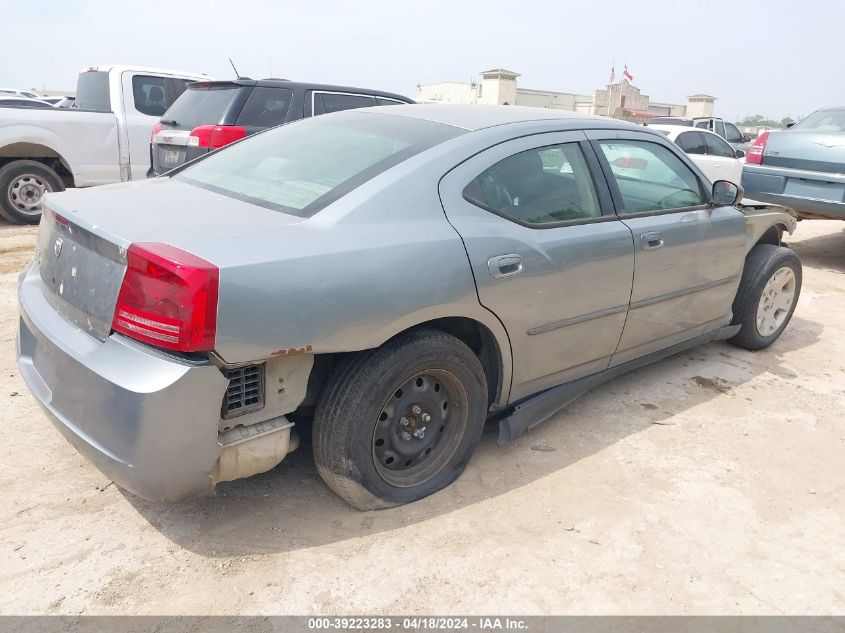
[
  {"x": 398, "y": 423},
  {"x": 414, "y": 436}
]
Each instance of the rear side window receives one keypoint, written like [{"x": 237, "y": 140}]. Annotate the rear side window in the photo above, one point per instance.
[
  {"x": 704, "y": 125},
  {"x": 732, "y": 133},
  {"x": 325, "y": 102},
  {"x": 650, "y": 177},
  {"x": 92, "y": 91},
  {"x": 200, "y": 106},
  {"x": 540, "y": 186},
  {"x": 691, "y": 143},
  {"x": 717, "y": 147},
  {"x": 302, "y": 167},
  {"x": 385, "y": 101},
  {"x": 265, "y": 107},
  {"x": 149, "y": 94}
]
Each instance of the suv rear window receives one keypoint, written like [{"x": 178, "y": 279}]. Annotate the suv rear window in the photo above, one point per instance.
[
  {"x": 200, "y": 106},
  {"x": 302, "y": 167},
  {"x": 92, "y": 91}
]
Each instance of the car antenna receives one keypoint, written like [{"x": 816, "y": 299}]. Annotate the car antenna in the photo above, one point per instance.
[{"x": 237, "y": 74}]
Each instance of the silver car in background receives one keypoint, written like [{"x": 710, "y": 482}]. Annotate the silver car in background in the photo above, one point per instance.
[
  {"x": 802, "y": 167},
  {"x": 392, "y": 276}
]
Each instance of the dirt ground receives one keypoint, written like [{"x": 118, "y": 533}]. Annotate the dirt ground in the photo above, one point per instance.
[{"x": 712, "y": 482}]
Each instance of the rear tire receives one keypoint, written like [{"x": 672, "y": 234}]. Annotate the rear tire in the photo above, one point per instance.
[
  {"x": 396, "y": 424},
  {"x": 767, "y": 295},
  {"x": 23, "y": 184}
]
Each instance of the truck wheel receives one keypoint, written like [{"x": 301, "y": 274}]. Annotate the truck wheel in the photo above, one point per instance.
[
  {"x": 767, "y": 295},
  {"x": 396, "y": 424},
  {"x": 23, "y": 184}
]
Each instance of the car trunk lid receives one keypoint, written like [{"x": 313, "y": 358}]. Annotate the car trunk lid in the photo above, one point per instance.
[
  {"x": 810, "y": 150},
  {"x": 83, "y": 241}
]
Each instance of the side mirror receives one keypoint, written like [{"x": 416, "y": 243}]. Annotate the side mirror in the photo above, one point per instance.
[
  {"x": 789, "y": 125},
  {"x": 746, "y": 138},
  {"x": 739, "y": 153},
  {"x": 726, "y": 193}
]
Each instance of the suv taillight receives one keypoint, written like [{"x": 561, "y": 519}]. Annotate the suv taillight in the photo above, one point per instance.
[
  {"x": 215, "y": 136},
  {"x": 168, "y": 298},
  {"x": 156, "y": 129},
  {"x": 754, "y": 156}
]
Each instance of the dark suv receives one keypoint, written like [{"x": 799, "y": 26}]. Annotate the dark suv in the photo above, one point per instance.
[{"x": 211, "y": 114}]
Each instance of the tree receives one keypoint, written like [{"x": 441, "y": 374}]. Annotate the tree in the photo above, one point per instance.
[{"x": 758, "y": 120}]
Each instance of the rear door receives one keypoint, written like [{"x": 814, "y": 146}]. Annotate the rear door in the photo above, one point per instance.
[
  {"x": 145, "y": 99},
  {"x": 726, "y": 166},
  {"x": 688, "y": 255},
  {"x": 692, "y": 143},
  {"x": 549, "y": 256}
]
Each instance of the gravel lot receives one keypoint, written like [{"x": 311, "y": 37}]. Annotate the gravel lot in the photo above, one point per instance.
[{"x": 713, "y": 482}]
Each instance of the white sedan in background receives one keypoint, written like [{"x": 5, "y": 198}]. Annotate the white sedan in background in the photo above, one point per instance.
[{"x": 709, "y": 151}]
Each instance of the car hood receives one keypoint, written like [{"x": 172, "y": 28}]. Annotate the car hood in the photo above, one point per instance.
[{"x": 810, "y": 149}]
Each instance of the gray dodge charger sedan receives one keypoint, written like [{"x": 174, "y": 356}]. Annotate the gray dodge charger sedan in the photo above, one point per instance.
[{"x": 389, "y": 278}]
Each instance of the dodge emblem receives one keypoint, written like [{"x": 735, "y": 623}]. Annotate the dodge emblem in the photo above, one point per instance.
[{"x": 57, "y": 247}]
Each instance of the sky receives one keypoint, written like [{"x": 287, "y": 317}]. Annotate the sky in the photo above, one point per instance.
[{"x": 771, "y": 57}]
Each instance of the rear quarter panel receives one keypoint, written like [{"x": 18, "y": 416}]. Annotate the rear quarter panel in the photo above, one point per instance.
[{"x": 380, "y": 260}]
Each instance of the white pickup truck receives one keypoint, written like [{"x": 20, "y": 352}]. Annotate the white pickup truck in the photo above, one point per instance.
[{"x": 104, "y": 138}]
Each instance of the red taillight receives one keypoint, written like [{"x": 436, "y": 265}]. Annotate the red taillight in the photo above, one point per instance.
[
  {"x": 215, "y": 136},
  {"x": 156, "y": 130},
  {"x": 168, "y": 298},
  {"x": 754, "y": 155}
]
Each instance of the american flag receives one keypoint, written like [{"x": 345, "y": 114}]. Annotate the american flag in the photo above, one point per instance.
[{"x": 613, "y": 73}]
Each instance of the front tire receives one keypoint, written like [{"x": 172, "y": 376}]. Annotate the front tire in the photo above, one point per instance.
[
  {"x": 23, "y": 185},
  {"x": 767, "y": 295},
  {"x": 396, "y": 424}
]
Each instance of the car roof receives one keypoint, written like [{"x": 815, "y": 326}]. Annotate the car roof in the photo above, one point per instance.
[
  {"x": 674, "y": 131},
  {"x": 476, "y": 116},
  {"x": 142, "y": 69},
  {"x": 9, "y": 97},
  {"x": 307, "y": 85}
]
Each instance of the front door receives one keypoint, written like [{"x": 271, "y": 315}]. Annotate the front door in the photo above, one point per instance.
[
  {"x": 688, "y": 254},
  {"x": 550, "y": 257}
]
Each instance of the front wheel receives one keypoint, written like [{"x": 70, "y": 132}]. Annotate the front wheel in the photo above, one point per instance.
[
  {"x": 399, "y": 423},
  {"x": 767, "y": 295},
  {"x": 23, "y": 185}
]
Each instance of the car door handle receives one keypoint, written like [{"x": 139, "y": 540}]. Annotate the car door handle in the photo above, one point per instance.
[
  {"x": 651, "y": 241},
  {"x": 505, "y": 265}
]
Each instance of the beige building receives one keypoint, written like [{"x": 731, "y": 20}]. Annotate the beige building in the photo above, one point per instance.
[{"x": 621, "y": 100}]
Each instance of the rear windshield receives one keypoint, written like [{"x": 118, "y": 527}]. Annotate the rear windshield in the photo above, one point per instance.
[
  {"x": 200, "y": 106},
  {"x": 823, "y": 121},
  {"x": 304, "y": 166},
  {"x": 92, "y": 91}
]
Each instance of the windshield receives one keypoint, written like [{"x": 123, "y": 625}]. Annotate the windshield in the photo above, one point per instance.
[
  {"x": 823, "y": 121},
  {"x": 92, "y": 91},
  {"x": 200, "y": 106},
  {"x": 302, "y": 167}
]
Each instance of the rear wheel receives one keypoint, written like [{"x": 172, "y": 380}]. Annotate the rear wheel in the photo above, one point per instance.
[
  {"x": 767, "y": 295},
  {"x": 399, "y": 423},
  {"x": 23, "y": 185}
]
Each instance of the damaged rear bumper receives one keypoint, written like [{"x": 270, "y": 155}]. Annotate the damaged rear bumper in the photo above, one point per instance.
[{"x": 146, "y": 419}]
